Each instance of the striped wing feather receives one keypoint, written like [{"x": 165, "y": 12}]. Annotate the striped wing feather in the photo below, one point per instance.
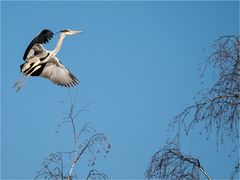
[{"x": 58, "y": 74}]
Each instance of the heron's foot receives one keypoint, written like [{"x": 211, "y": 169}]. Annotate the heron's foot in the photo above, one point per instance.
[{"x": 19, "y": 87}]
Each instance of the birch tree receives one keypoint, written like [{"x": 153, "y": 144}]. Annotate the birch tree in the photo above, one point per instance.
[
  {"x": 86, "y": 141},
  {"x": 216, "y": 108}
]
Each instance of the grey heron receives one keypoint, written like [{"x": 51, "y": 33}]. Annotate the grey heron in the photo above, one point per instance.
[{"x": 43, "y": 63}]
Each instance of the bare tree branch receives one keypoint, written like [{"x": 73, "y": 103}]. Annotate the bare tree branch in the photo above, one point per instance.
[
  {"x": 236, "y": 171},
  {"x": 218, "y": 107},
  {"x": 170, "y": 163},
  {"x": 94, "y": 174},
  {"x": 56, "y": 166}
]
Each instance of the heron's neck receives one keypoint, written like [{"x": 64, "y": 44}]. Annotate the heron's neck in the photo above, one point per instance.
[{"x": 58, "y": 46}]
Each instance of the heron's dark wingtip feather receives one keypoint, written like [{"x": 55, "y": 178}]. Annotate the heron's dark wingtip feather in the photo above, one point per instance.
[
  {"x": 72, "y": 83},
  {"x": 75, "y": 80},
  {"x": 44, "y": 36}
]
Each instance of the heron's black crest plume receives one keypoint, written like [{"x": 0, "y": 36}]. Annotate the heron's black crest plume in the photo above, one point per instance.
[
  {"x": 66, "y": 30},
  {"x": 43, "y": 37}
]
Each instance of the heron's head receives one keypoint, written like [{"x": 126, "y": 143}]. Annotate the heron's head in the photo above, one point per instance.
[{"x": 70, "y": 32}]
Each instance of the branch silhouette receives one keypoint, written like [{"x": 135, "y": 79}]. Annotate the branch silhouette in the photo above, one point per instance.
[
  {"x": 217, "y": 108},
  {"x": 57, "y": 166}
]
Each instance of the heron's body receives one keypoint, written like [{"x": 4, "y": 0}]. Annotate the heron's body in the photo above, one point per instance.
[{"x": 40, "y": 62}]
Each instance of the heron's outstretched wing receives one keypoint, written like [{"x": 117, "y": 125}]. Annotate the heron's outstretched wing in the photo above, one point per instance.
[
  {"x": 43, "y": 37},
  {"x": 55, "y": 71}
]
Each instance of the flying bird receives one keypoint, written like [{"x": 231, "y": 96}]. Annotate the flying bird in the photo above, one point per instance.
[{"x": 43, "y": 63}]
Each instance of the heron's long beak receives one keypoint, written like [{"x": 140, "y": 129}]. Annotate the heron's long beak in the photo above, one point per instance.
[{"x": 72, "y": 32}]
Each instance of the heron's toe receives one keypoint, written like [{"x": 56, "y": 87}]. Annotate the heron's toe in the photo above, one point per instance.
[{"x": 19, "y": 87}]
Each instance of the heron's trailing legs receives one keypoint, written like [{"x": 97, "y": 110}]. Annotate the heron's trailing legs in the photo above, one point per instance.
[
  {"x": 23, "y": 76},
  {"x": 24, "y": 79},
  {"x": 16, "y": 83}
]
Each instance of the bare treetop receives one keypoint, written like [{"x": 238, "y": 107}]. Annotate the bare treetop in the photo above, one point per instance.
[
  {"x": 219, "y": 106},
  {"x": 216, "y": 109},
  {"x": 170, "y": 163},
  {"x": 86, "y": 141}
]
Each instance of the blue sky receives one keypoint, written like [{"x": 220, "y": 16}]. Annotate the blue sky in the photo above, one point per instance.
[{"x": 137, "y": 61}]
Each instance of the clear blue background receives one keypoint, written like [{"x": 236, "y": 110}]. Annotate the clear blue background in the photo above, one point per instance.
[{"x": 137, "y": 61}]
